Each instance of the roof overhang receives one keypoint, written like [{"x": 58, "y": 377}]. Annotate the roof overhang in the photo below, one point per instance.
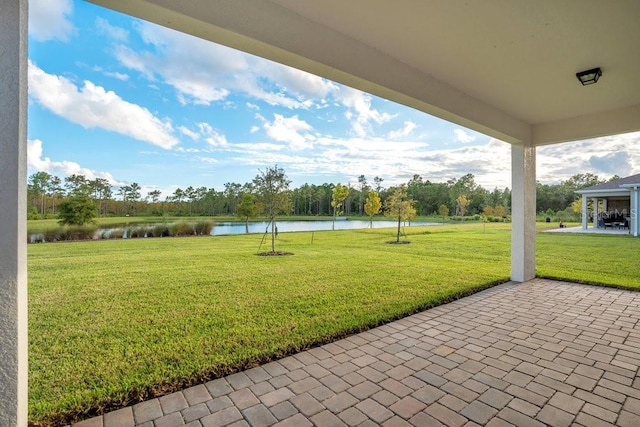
[
  {"x": 503, "y": 68},
  {"x": 621, "y": 192}
]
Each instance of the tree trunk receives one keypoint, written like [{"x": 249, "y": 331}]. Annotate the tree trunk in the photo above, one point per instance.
[
  {"x": 398, "y": 236},
  {"x": 273, "y": 235}
]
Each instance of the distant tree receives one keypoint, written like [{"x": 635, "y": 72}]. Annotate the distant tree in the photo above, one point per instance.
[
  {"x": 488, "y": 211},
  {"x": 372, "y": 205},
  {"x": 201, "y": 195},
  {"x": 77, "y": 210},
  {"x": 192, "y": 195},
  {"x": 39, "y": 183},
  {"x": 583, "y": 180},
  {"x": 338, "y": 195},
  {"x": 232, "y": 194},
  {"x": 55, "y": 191},
  {"x": 461, "y": 205},
  {"x": 272, "y": 187},
  {"x": 100, "y": 189},
  {"x": 576, "y": 206},
  {"x": 176, "y": 199},
  {"x": 443, "y": 210},
  {"x": 248, "y": 208},
  {"x": 499, "y": 211},
  {"x": 154, "y": 195},
  {"x": 131, "y": 194},
  {"x": 364, "y": 186},
  {"x": 77, "y": 184},
  {"x": 378, "y": 182},
  {"x": 399, "y": 205}
]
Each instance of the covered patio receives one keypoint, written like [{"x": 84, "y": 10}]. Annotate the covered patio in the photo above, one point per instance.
[
  {"x": 590, "y": 230},
  {"x": 614, "y": 205},
  {"x": 506, "y": 69}
]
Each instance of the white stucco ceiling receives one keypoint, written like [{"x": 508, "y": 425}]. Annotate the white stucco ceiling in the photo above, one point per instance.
[{"x": 503, "y": 67}]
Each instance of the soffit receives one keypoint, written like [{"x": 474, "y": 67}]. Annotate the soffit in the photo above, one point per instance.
[
  {"x": 504, "y": 67},
  {"x": 519, "y": 56}
]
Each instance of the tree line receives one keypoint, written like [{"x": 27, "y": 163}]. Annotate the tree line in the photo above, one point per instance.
[{"x": 455, "y": 197}]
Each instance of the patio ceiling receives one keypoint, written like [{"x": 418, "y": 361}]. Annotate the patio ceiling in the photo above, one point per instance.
[{"x": 505, "y": 68}]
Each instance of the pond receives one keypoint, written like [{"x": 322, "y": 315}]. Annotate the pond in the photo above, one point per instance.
[
  {"x": 233, "y": 227},
  {"x": 218, "y": 229}
]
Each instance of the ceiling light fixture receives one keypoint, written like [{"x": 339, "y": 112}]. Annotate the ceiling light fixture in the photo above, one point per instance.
[{"x": 589, "y": 77}]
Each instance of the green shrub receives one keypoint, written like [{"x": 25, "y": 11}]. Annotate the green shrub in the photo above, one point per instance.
[
  {"x": 117, "y": 233},
  {"x": 160, "y": 230},
  {"x": 32, "y": 213},
  {"x": 203, "y": 228},
  {"x": 81, "y": 232},
  {"x": 181, "y": 228},
  {"x": 138, "y": 232},
  {"x": 54, "y": 234}
]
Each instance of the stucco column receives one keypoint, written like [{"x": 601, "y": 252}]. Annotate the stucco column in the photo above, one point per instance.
[
  {"x": 634, "y": 218},
  {"x": 585, "y": 212},
  {"x": 13, "y": 199},
  {"x": 596, "y": 212},
  {"x": 523, "y": 213}
]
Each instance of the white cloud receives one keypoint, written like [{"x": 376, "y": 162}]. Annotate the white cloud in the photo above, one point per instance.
[
  {"x": 360, "y": 111},
  {"x": 605, "y": 157},
  {"x": 116, "y": 33},
  {"x": 404, "y": 131},
  {"x": 617, "y": 163},
  {"x": 37, "y": 162},
  {"x": 202, "y": 72},
  {"x": 116, "y": 75},
  {"x": 212, "y": 136},
  {"x": 50, "y": 20},
  {"x": 289, "y": 130},
  {"x": 188, "y": 132},
  {"x": 462, "y": 136},
  {"x": 209, "y": 160},
  {"x": 93, "y": 106},
  {"x": 300, "y": 83},
  {"x": 183, "y": 62}
]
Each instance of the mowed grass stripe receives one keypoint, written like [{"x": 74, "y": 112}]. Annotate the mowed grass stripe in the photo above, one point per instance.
[{"x": 112, "y": 322}]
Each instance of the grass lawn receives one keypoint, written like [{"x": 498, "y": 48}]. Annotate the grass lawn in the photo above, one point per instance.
[{"x": 113, "y": 322}]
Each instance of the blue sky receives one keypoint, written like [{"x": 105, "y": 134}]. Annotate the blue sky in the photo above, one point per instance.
[{"x": 115, "y": 97}]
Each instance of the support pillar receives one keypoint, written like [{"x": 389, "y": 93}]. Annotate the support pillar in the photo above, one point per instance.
[
  {"x": 585, "y": 212},
  {"x": 634, "y": 219},
  {"x": 523, "y": 213},
  {"x": 596, "y": 212},
  {"x": 13, "y": 199}
]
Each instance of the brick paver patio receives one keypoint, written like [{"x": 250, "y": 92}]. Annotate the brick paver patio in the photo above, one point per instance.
[{"x": 531, "y": 354}]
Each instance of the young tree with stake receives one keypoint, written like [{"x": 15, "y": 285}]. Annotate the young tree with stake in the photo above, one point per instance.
[
  {"x": 399, "y": 205},
  {"x": 272, "y": 187}
]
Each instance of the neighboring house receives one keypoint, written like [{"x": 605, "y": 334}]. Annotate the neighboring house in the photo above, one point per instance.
[{"x": 615, "y": 204}]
